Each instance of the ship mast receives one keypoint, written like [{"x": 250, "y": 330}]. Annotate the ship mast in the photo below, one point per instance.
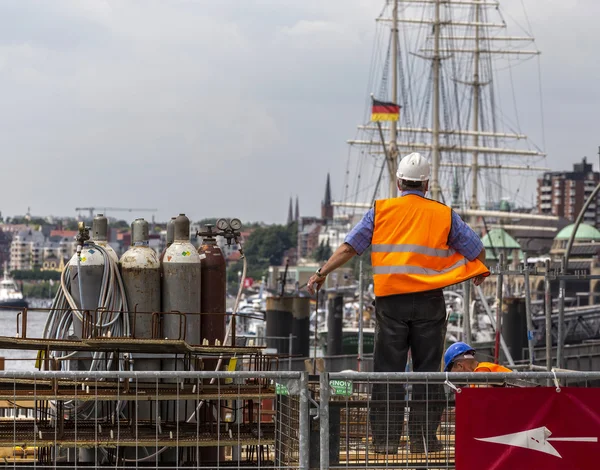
[
  {"x": 435, "y": 134},
  {"x": 393, "y": 153},
  {"x": 476, "y": 89},
  {"x": 461, "y": 32}
]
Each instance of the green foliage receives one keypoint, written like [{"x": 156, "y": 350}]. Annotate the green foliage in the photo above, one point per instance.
[
  {"x": 40, "y": 290},
  {"x": 323, "y": 252},
  {"x": 252, "y": 225},
  {"x": 232, "y": 276},
  {"x": 264, "y": 247},
  {"x": 23, "y": 220},
  {"x": 35, "y": 275},
  {"x": 119, "y": 224},
  {"x": 71, "y": 225}
]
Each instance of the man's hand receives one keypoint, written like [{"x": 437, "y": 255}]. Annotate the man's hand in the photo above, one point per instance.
[
  {"x": 314, "y": 283},
  {"x": 478, "y": 280},
  {"x": 342, "y": 255}
]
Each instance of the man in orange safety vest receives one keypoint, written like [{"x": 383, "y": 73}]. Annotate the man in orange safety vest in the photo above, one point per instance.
[{"x": 419, "y": 246}]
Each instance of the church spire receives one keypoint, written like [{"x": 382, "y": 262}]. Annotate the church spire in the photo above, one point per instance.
[
  {"x": 290, "y": 218},
  {"x": 327, "y": 201},
  {"x": 297, "y": 215},
  {"x": 326, "y": 207}
]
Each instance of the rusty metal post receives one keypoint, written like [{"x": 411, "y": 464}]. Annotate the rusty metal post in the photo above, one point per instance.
[
  {"x": 548, "y": 311},
  {"x": 499, "y": 292},
  {"x": 324, "y": 419},
  {"x": 530, "y": 327},
  {"x": 24, "y": 320},
  {"x": 467, "y": 312},
  {"x": 561, "y": 315}
]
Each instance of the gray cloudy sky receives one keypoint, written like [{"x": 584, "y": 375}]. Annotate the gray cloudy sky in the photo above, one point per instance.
[{"x": 224, "y": 107}]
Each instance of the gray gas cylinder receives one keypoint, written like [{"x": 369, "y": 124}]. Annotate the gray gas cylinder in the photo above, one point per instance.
[
  {"x": 181, "y": 285},
  {"x": 99, "y": 235},
  {"x": 140, "y": 270},
  {"x": 171, "y": 231},
  {"x": 180, "y": 292},
  {"x": 87, "y": 275},
  {"x": 170, "y": 237},
  {"x": 86, "y": 282}
]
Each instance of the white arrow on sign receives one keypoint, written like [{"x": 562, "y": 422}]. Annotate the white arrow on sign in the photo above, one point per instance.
[{"x": 535, "y": 439}]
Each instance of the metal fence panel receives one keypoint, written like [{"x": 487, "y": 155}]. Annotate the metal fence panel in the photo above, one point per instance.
[
  {"x": 405, "y": 420},
  {"x": 151, "y": 420}
]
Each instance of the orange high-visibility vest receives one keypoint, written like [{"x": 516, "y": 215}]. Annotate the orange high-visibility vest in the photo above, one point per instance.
[
  {"x": 491, "y": 367},
  {"x": 410, "y": 251}
]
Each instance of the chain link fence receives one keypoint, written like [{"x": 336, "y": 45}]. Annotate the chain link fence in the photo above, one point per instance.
[
  {"x": 153, "y": 419},
  {"x": 281, "y": 420}
]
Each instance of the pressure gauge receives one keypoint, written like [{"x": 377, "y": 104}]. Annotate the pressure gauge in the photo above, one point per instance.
[
  {"x": 236, "y": 224},
  {"x": 222, "y": 224}
]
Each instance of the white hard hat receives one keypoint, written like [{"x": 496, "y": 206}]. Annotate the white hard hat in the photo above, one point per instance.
[{"x": 413, "y": 167}]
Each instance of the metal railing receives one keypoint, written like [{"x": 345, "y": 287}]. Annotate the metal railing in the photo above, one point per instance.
[
  {"x": 406, "y": 420},
  {"x": 157, "y": 419},
  {"x": 241, "y": 420}
]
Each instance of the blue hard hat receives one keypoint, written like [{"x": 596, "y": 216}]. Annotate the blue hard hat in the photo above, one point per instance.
[{"x": 454, "y": 351}]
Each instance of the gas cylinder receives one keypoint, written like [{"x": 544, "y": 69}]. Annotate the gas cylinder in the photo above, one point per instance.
[
  {"x": 181, "y": 285},
  {"x": 170, "y": 236},
  {"x": 99, "y": 235},
  {"x": 86, "y": 281},
  {"x": 87, "y": 275},
  {"x": 140, "y": 270},
  {"x": 214, "y": 288}
]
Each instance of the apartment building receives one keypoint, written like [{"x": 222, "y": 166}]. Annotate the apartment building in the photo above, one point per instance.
[{"x": 564, "y": 193}]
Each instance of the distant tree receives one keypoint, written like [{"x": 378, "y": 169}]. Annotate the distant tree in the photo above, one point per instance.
[
  {"x": 269, "y": 243},
  {"x": 264, "y": 247},
  {"x": 38, "y": 222},
  {"x": 323, "y": 251},
  {"x": 119, "y": 224},
  {"x": 40, "y": 290},
  {"x": 35, "y": 275},
  {"x": 70, "y": 224}
]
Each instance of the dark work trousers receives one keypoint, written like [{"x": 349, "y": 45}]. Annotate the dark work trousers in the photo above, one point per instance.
[{"x": 415, "y": 321}]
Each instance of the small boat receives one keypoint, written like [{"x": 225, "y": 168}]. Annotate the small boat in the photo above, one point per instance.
[{"x": 10, "y": 294}]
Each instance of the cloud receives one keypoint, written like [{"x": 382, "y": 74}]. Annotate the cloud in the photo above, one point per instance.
[
  {"x": 220, "y": 107},
  {"x": 311, "y": 28}
]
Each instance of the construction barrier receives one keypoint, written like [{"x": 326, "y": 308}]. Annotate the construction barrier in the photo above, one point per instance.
[{"x": 291, "y": 420}]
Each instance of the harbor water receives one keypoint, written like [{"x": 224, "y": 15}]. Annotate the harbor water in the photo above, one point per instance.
[{"x": 11, "y": 325}]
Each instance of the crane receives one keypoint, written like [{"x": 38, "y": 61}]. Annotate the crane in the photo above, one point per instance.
[{"x": 114, "y": 209}]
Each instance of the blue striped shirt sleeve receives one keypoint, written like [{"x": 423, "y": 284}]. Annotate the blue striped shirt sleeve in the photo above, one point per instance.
[
  {"x": 463, "y": 239},
  {"x": 361, "y": 236}
]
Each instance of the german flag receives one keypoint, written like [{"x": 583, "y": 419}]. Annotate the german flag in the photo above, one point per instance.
[{"x": 384, "y": 111}]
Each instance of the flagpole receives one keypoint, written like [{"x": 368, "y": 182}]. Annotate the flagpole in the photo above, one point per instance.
[
  {"x": 388, "y": 158},
  {"x": 393, "y": 154}
]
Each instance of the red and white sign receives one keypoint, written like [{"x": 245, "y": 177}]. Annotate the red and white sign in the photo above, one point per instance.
[
  {"x": 528, "y": 428},
  {"x": 248, "y": 282}
]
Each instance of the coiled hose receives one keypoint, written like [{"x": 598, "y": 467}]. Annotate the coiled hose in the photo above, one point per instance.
[{"x": 65, "y": 315}]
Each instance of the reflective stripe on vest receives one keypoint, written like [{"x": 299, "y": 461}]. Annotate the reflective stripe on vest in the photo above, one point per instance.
[
  {"x": 410, "y": 251},
  {"x": 491, "y": 367}
]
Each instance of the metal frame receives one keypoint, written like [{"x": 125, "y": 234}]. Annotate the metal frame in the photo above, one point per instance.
[{"x": 300, "y": 390}]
